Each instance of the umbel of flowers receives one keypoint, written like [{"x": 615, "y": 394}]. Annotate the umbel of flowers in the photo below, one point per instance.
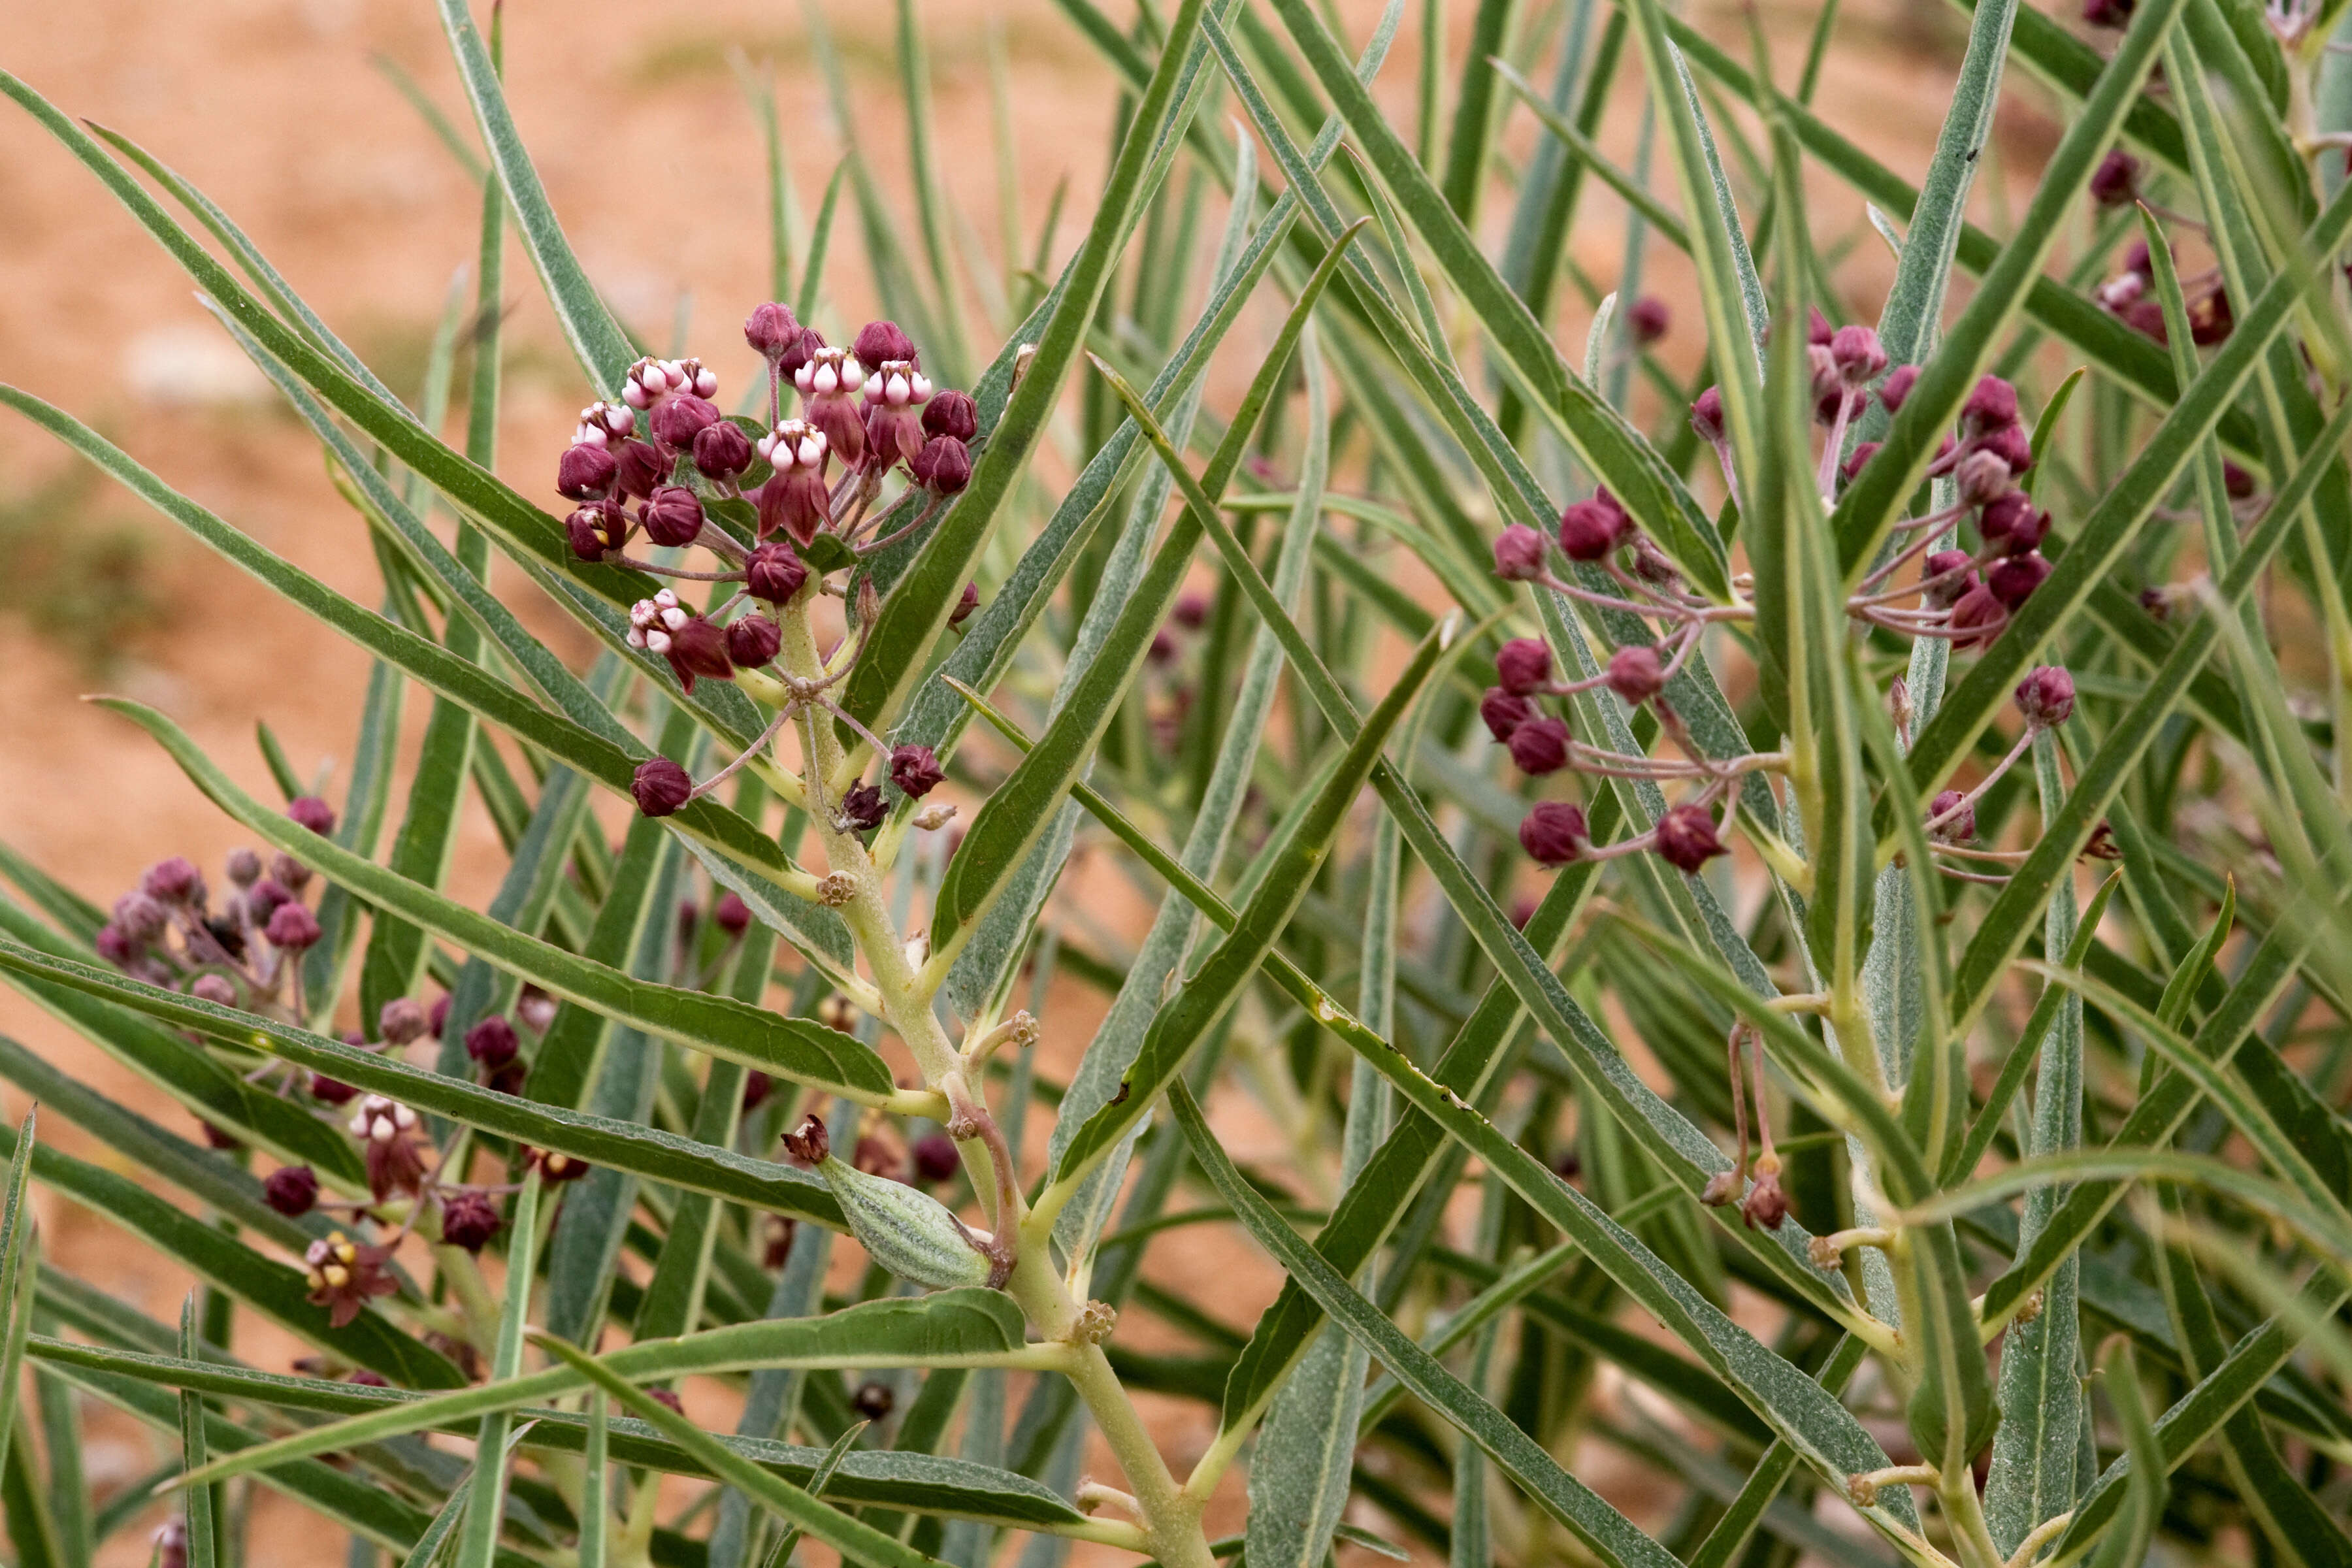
[{"x": 841, "y": 424}]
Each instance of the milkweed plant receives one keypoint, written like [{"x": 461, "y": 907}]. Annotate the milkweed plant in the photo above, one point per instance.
[{"x": 1779, "y": 934}]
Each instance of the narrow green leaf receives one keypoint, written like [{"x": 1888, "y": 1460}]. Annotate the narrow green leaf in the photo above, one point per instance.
[
  {"x": 486, "y": 1502},
  {"x": 597, "y": 340},
  {"x": 19, "y": 1265}
]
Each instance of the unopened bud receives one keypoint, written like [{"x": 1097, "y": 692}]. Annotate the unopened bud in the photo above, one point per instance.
[
  {"x": 309, "y": 811},
  {"x": 2046, "y": 696},
  {"x": 660, "y": 786},
  {"x": 1503, "y": 711},
  {"x": 1646, "y": 320},
  {"x": 672, "y": 516},
  {"x": 1523, "y": 665},
  {"x": 1859, "y": 355},
  {"x": 1553, "y": 833},
  {"x": 1539, "y": 746},
  {"x": 753, "y": 641},
  {"x": 1686, "y": 838},
  {"x": 721, "y": 451},
  {"x": 401, "y": 1020},
  {"x": 291, "y": 1189},
  {"x": 1635, "y": 675},
  {"x": 1518, "y": 553}
]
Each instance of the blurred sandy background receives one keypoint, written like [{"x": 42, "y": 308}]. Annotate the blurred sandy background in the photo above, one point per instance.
[{"x": 278, "y": 110}]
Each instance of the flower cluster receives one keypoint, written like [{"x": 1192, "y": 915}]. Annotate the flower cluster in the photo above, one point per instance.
[
  {"x": 246, "y": 953},
  {"x": 2129, "y": 295},
  {"x": 863, "y": 413},
  {"x": 1969, "y": 598}
]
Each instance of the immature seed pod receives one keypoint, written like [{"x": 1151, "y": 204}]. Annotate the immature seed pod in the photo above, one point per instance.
[{"x": 909, "y": 1232}]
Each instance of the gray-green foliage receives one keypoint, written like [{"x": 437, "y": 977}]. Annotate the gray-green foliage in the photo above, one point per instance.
[{"x": 2061, "y": 1084}]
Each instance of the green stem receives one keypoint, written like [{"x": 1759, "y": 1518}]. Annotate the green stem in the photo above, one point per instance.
[{"x": 1171, "y": 1522}]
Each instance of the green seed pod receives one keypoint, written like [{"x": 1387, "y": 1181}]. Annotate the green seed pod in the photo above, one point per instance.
[{"x": 906, "y": 1230}]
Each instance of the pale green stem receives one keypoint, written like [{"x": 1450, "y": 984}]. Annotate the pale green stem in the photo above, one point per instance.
[{"x": 1170, "y": 1523}]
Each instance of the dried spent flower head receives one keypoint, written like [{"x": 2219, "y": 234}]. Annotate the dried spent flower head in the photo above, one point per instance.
[
  {"x": 1723, "y": 1187},
  {"x": 862, "y": 807},
  {"x": 809, "y": 1142},
  {"x": 1767, "y": 1204},
  {"x": 915, "y": 770},
  {"x": 1553, "y": 833}
]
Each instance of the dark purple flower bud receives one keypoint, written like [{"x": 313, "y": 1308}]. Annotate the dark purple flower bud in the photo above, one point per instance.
[
  {"x": 175, "y": 881},
  {"x": 331, "y": 1091},
  {"x": 469, "y": 1218},
  {"x": 1163, "y": 649},
  {"x": 290, "y": 872},
  {"x": 1707, "y": 417},
  {"x": 2139, "y": 263},
  {"x": 1647, "y": 320},
  {"x": 1897, "y": 386},
  {"x": 1977, "y": 616},
  {"x": 220, "y": 1138},
  {"x": 944, "y": 466},
  {"x": 880, "y": 340},
  {"x": 2235, "y": 481},
  {"x": 2046, "y": 696},
  {"x": 243, "y": 866},
  {"x": 313, "y": 812},
  {"x": 698, "y": 649},
  {"x": 1635, "y": 674},
  {"x": 1686, "y": 839},
  {"x": 862, "y": 808},
  {"x": 676, "y": 420},
  {"x": 291, "y": 1189},
  {"x": 800, "y": 352},
  {"x": 935, "y": 1159},
  {"x": 1523, "y": 665},
  {"x": 642, "y": 468},
  {"x": 1856, "y": 460},
  {"x": 1960, "y": 826},
  {"x": 966, "y": 602},
  {"x": 757, "y": 1087},
  {"x": 1767, "y": 1203},
  {"x": 672, "y": 516},
  {"x": 723, "y": 451},
  {"x": 492, "y": 1042},
  {"x": 1504, "y": 713},
  {"x": 1553, "y": 834},
  {"x": 1947, "y": 576},
  {"x": 2003, "y": 515},
  {"x": 753, "y": 641},
  {"x": 873, "y": 1400},
  {"x": 2107, "y": 13},
  {"x": 952, "y": 413},
  {"x": 1980, "y": 476},
  {"x": 217, "y": 989},
  {"x": 1818, "y": 330},
  {"x": 2115, "y": 182},
  {"x": 1858, "y": 355},
  {"x": 1590, "y": 530},
  {"x": 115, "y": 946},
  {"x": 2209, "y": 319},
  {"x": 261, "y": 900},
  {"x": 915, "y": 770},
  {"x": 140, "y": 916},
  {"x": 1518, "y": 553},
  {"x": 1991, "y": 407},
  {"x": 2011, "y": 444},
  {"x": 586, "y": 473},
  {"x": 292, "y": 928},
  {"x": 774, "y": 573},
  {"x": 1192, "y": 612},
  {"x": 1539, "y": 746},
  {"x": 660, "y": 786},
  {"x": 595, "y": 531},
  {"x": 2012, "y": 581},
  {"x": 730, "y": 914},
  {"x": 770, "y": 330},
  {"x": 438, "y": 1017},
  {"x": 400, "y": 1021}
]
